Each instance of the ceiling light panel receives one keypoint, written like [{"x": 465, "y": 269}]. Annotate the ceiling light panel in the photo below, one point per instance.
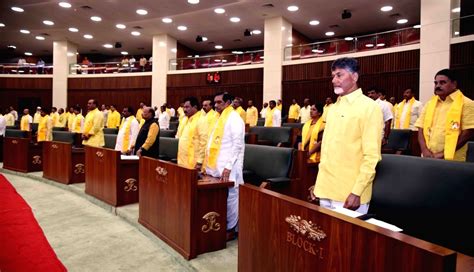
[
  {"x": 48, "y": 22},
  {"x": 167, "y": 20},
  {"x": 120, "y": 26},
  {"x": 234, "y": 19},
  {"x": 96, "y": 18},
  {"x": 219, "y": 10},
  {"x": 64, "y": 5},
  {"x": 293, "y": 8},
  {"x": 386, "y": 8},
  {"x": 142, "y": 12},
  {"x": 73, "y": 29},
  {"x": 17, "y": 9}
]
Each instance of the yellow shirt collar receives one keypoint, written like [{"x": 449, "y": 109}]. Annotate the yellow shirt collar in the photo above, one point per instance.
[
  {"x": 350, "y": 98},
  {"x": 451, "y": 96}
]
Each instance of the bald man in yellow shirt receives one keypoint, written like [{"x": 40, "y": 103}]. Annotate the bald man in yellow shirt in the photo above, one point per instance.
[
  {"x": 237, "y": 105},
  {"x": 351, "y": 145},
  {"x": 294, "y": 112},
  {"x": 93, "y": 134},
  {"x": 251, "y": 117}
]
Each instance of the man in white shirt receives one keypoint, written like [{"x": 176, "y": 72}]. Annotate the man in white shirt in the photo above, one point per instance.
[
  {"x": 164, "y": 118},
  {"x": 263, "y": 112},
  {"x": 407, "y": 111},
  {"x": 225, "y": 154},
  {"x": 386, "y": 111},
  {"x": 128, "y": 132},
  {"x": 273, "y": 117},
  {"x": 305, "y": 111},
  {"x": 3, "y": 125}
]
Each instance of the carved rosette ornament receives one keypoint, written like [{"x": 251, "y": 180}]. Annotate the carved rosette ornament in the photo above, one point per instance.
[
  {"x": 162, "y": 174},
  {"x": 130, "y": 185},
  {"x": 99, "y": 154},
  {"x": 211, "y": 222},
  {"x": 55, "y": 146},
  {"x": 305, "y": 228},
  {"x": 14, "y": 142},
  {"x": 36, "y": 159},
  {"x": 79, "y": 169}
]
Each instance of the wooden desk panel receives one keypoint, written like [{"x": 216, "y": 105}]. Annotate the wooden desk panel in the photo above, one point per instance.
[
  {"x": 304, "y": 173},
  {"x": 20, "y": 154},
  {"x": 280, "y": 233},
  {"x": 109, "y": 178},
  {"x": 63, "y": 163},
  {"x": 188, "y": 215}
]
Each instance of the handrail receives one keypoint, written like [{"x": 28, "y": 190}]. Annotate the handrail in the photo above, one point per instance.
[{"x": 221, "y": 60}]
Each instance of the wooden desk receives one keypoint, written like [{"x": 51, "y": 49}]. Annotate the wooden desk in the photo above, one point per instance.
[
  {"x": 20, "y": 154},
  {"x": 189, "y": 215},
  {"x": 63, "y": 163},
  {"x": 109, "y": 178},
  {"x": 280, "y": 233}
]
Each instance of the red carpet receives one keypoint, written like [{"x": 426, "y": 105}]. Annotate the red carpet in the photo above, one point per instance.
[{"x": 23, "y": 246}]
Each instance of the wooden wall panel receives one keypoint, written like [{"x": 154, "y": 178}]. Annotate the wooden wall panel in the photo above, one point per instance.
[
  {"x": 462, "y": 61},
  {"x": 25, "y": 93},
  {"x": 247, "y": 84}
]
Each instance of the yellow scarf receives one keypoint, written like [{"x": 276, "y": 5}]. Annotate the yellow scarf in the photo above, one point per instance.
[
  {"x": 186, "y": 156},
  {"x": 269, "y": 117},
  {"x": 25, "y": 123},
  {"x": 310, "y": 133},
  {"x": 241, "y": 112},
  {"x": 216, "y": 138},
  {"x": 126, "y": 135},
  {"x": 453, "y": 123},
  {"x": 406, "y": 122}
]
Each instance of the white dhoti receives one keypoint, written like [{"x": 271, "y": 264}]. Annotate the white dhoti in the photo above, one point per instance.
[
  {"x": 233, "y": 208},
  {"x": 331, "y": 204}
]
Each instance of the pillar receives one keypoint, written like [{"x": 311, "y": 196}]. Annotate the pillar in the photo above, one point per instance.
[
  {"x": 164, "y": 49},
  {"x": 64, "y": 55}
]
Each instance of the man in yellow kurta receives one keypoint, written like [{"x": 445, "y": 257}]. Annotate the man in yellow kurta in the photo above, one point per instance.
[
  {"x": 251, "y": 117},
  {"x": 37, "y": 116},
  {"x": 446, "y": 123},
  {"x": 326, "y": 107},
  {"x": 62, "y": 118},
  {"x": 208, "y": 116},
  {"x": 26, "y": 120},
  {"x": 45, "y": 127},
  {"x": 180, "y": 111},
  {"x": 237, "y": 105},
  {"x": 54, "y": 116},
  {"x": 70, "y": 118},
  {"x": 351, "y": 143},
  {"x": 93, "y": 134},
  {"x": 193, "y": 138},
  {"x": 139, "y": 116},
  {"x": 273, "y": 117},
  {"x": 113, "y": 118},
  {"x": 78, "y": 122},
  {"x": 293, "y": 112},
  {"x": 9, "y": 119}
]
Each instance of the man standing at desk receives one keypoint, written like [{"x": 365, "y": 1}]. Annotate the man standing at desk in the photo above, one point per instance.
[
  {"x": 192, "y": 141},
  {"x": 45, "y": 127},
  {"x": 128, "y": 132},
  {"x": 225, "y": 155},
  {"x": 26, "y": 120},
  {"x": 93, "y": 134},
  {"x": 148, "y": 141}
]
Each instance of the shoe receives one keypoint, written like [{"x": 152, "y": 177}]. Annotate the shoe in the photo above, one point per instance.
[{"x": 231, "y": 235}]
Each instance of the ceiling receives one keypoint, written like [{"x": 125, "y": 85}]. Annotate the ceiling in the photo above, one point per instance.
[{"x": 200, "y": 20}]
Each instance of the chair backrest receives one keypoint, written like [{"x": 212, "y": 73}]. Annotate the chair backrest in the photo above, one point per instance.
[
  {"x": 470, "y": 152},
  {"x": 16, "y": 133},
  {"x": 274, "y": 134},
  {"x": 12, "y": 127},
  {"x": 59, "y": 129},
  {"x": 399, "y": 139},
  {"x": 110, "y": 140},
  {"x": 110, "y": 130},
  {"x": 293, "y": 125},
  {"x": 63, "y": 136},
  {"x": 167, "y": 133},
  {"x": 268, "y": 161},
  {"x": 174, "y": 125},
  {"x": 429, "y": 199},
  {"x": 168, "y": 148},
  {"x": 260, "y": 122}
]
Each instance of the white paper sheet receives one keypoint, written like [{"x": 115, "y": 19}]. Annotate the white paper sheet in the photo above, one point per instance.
[
  {"x": 132, "y": 157},
  {"x": 347, "y": 212},
  {"x": 383, "y": 224}
]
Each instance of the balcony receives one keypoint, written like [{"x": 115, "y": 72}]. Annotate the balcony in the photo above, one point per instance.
[
  {"x": 108, "y": 68},
  {"x": 237, "y": 58}
]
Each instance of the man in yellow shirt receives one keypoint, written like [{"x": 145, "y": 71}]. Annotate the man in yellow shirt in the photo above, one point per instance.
[
  {"x": 37, "y": 116},
  {"x": 113, "y": 118},
  {"x": 351, "y": 144},
  {"x": 408, "y": 112},
  {"x": 62, "y": 120},
  {"x": 9, "y": 118},
  {"x": 139, "y": 115},
  {"x": 326, "y": 107},
  {"x": 54, "y": 116},
  {"x": 26, "y": 120},
  {"x": 70, "y": 118},
  {"x": 180, "y": 111},
  {"x": 208, "y": 116},
  {"x": 148, "y": 143},
  {"x": 305, "y": 111},
  {"x": 446, "y": 123},
  {"x": 293, "y": 112},
  {"x": 78, "y": 122},
  {"x": 237, "y": 105},
  {"x": 251, "y": 117},
  {"x": 193, "y": 138},
  {"x": 279, "y": 105},
  {"x": 93, "y": 134},
  {"x": 45, "y": 127}
]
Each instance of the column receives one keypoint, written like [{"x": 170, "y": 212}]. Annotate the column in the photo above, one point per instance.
[
  {"x": 64, "y": 54},
  {"x": 164, "y": 49},
  {"x": 277, "y": 36},
  {"x": 434, "y": 43}
]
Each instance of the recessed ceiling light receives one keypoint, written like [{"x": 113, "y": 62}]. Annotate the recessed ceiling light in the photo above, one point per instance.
[
  {"x": 65, "y": 5},
  {"x": 456, "y": 33},
  {"x": 234, "y": 19},
  {"x": 369, "y": 45},
  {"x": 217, "y": 60},
  {"x": 386, "y": 8},
  {"x": 88, "y": 36},
  {"x": 11, "y": 46},
  {"x": 456, "y": 10},
  {"x": 196, "y": 56},
  {"x": 194, "y": 2},
  {"x": 120, "y": 26},
  {"x": 73, "y": 29},
  {"x": 256, "y": 32},
  {"x": 48, "y": 22},
  {"x": 349, "y": 38},
  {"x": 237, "y": 52},
  {"x": 417, "y": 26},
  {"x": 41, "y": 38},
  {"x": 329, "y": 33},
  {"x": 142, "y": 12},
  {"x": 124, "y": 53},
  {"x": 402, "y": 21},
  {"x": 380, "y": 44},
  {"x": 25, "y": 31},
  {"x": 28, "y": 53},
  {"x": 218, "y": 47},
  {"x": 314, "y": 22},
  {"x": 107, "y": 45},
  {"x": 219, "y": 10},
  {"x": 2, "y": 25},
  {"x": 136, "y": 33},
  {"x": 182, "y": 27},
  {"x": 204, "y": 39},
  {"x": 96, "y": 18},
  {"x": 293, "y": 8},
  {"x": 167, "y": 20},
  {"x": 17, "y": 9}
]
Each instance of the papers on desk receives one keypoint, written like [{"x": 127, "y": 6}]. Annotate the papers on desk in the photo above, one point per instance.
[
  {"x": 347, "y": 212},
  {"x": 384, "y": 225},
  {"x": 131, "y": 157}
]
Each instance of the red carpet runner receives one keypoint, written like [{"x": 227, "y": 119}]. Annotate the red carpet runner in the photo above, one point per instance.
[{"x": 23, "y": 246}]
